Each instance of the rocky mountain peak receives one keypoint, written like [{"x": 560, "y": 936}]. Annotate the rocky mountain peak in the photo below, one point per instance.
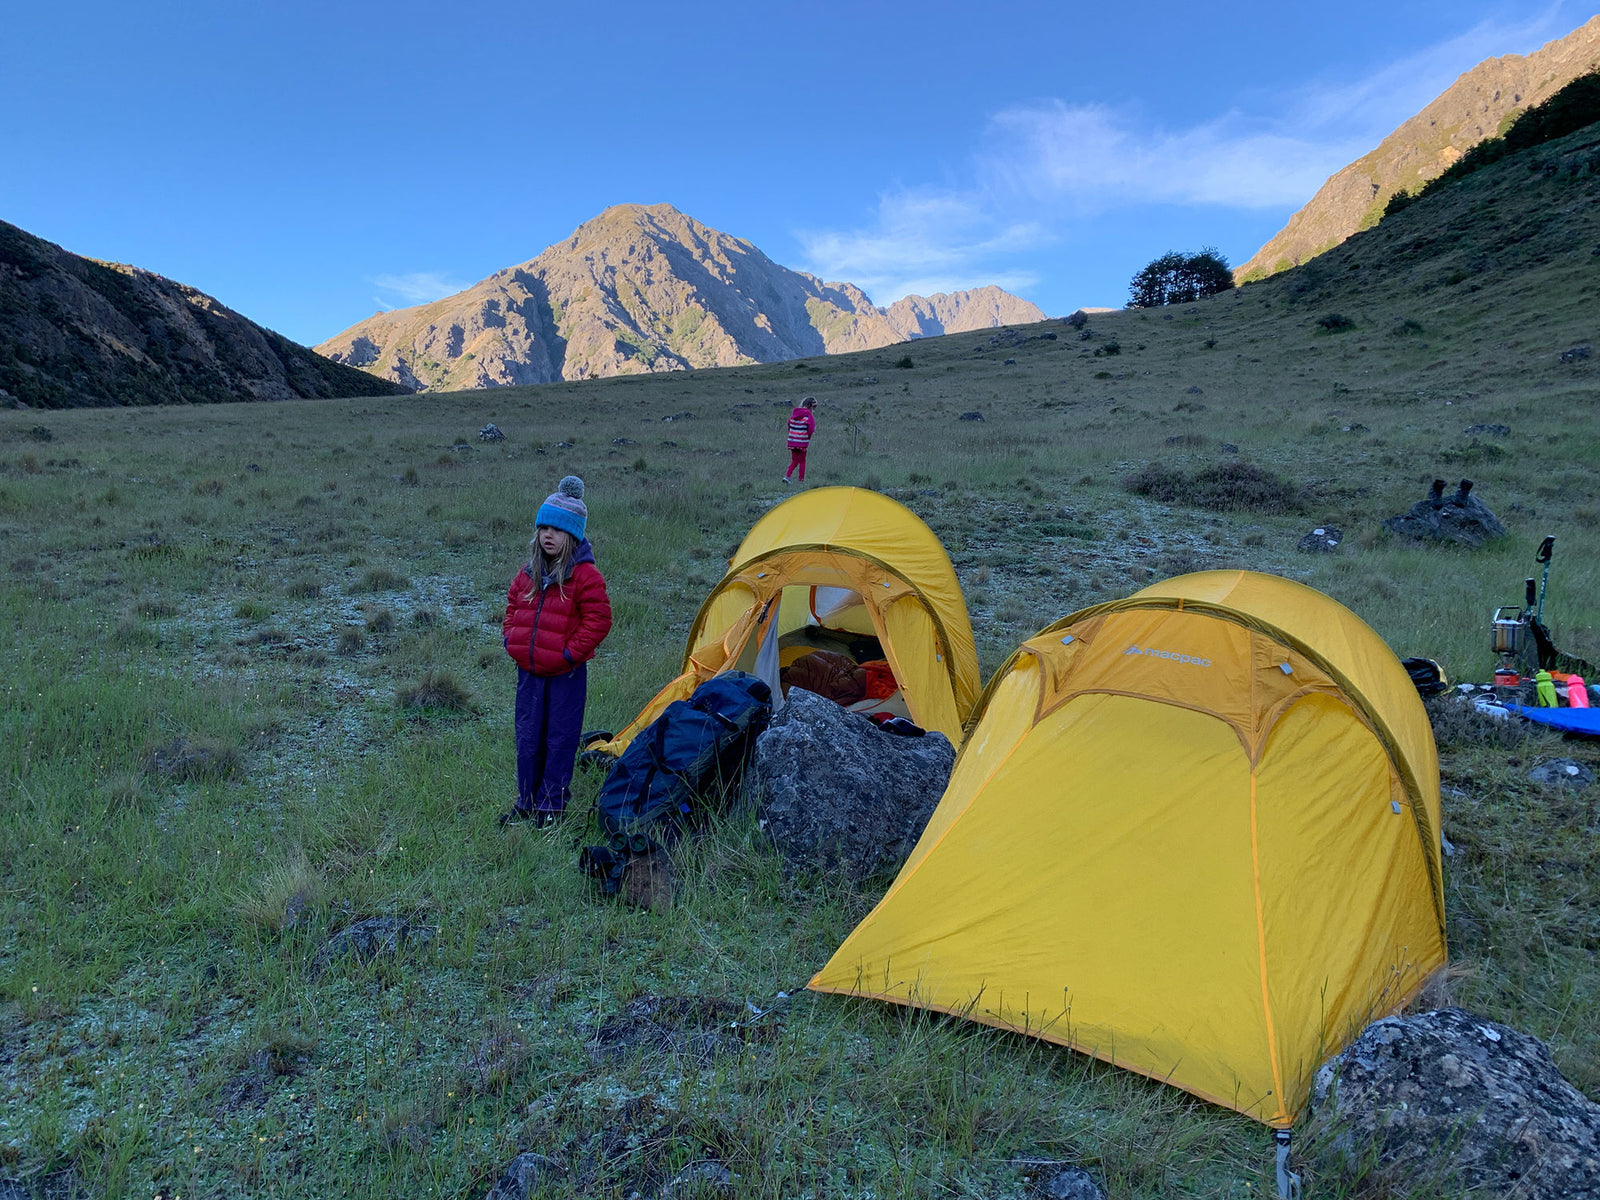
[{"x": 645, "y": 288}]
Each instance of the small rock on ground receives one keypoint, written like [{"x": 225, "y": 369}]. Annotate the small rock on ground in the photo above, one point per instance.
[
  {"x": 367, "y": 940},
  {"x": 1072, "y": 1184},
  {"x": 522, "y": 1176},
  {"x": 971, "y": 416},
  {"x": 1563, "y": 772},
  {"x": 697, "y": 1179},
  {"x": 1324, "y": 539}
]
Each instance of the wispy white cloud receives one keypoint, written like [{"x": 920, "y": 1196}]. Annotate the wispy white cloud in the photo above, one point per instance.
[
  {"x": 419, "y": 287},
  {"x": 923, "y": 242},
  {"x": 1089, "y": 157},
  {"x": 1043, "y": 165}
]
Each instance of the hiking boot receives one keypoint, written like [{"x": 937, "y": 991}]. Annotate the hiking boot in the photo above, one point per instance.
[
  {"x": 546, "y": 819},
  {"x": 517, "y": 814}
]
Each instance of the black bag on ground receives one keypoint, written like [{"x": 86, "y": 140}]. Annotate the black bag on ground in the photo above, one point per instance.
[{"x": 695, "y": 749}]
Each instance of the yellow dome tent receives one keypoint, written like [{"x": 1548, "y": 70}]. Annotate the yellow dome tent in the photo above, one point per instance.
[
  {"x": 1194, "y": 833},
  {"x": 846, "y": 560}
]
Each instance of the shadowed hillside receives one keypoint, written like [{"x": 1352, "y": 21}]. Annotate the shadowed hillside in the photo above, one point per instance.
[
  {"x": 641, "y": 289},
  {"x": 76, "y": 332}
]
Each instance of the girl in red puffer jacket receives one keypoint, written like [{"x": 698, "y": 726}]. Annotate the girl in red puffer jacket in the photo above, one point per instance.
[{"x": 557, "y": 614}]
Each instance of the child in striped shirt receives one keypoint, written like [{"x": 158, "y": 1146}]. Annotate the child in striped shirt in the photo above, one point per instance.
[{"x": 802, "y": 424}]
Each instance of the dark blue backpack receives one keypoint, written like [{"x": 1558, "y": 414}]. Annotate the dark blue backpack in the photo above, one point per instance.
[{"x": 691, "y": 754}]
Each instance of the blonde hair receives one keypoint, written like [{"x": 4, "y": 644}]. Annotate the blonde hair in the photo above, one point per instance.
[{"x": 558, "y": 566}]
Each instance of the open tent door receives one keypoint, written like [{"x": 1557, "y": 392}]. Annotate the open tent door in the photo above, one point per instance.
[{"x": 843, "y": 562}]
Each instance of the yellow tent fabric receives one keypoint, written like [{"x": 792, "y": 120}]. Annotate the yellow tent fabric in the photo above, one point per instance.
[
  {"x": 851, "y": 539},
  {"x": 1193, "y": 833}
]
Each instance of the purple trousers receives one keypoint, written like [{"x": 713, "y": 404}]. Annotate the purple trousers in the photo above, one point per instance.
[{"x": 549, "y": 722}]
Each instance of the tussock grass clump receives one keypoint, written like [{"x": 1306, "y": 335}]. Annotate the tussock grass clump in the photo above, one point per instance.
[
  {"x": 1227, "y": 487},
  {"x": 186, "y": 759},
  {"x": 380, "y": 579},
  {"x": 303, "y": 589},
  {"x": 278, "y": 1050},
  {"x": 499, "y": 1058},
  {"x": 155, "y": 608},
  {"x": 380, "y": 620},
  {"x": 1335, "y": 323},
  {"x": 350, "y": 641},
  {"x": 125, "y": 791},
  {"x": 285, "y": 897},
  {"x": 252, "y": 610},
  {"x": 437, "y": 690}
]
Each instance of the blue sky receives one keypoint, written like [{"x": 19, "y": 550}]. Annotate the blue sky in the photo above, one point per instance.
[{"x": 309, "y": 163}]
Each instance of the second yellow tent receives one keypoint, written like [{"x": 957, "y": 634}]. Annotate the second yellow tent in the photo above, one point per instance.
[{"x": 1194, "y": 833}]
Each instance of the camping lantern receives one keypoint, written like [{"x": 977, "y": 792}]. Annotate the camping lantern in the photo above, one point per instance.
[{"x": 1507, "y": 633}]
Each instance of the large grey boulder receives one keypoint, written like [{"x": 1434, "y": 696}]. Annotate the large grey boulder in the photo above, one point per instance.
[
  {"x": 1459, "y": 517},
  {"x": 1447, "y": 1096},
  {"x": 838, "y": 794}
]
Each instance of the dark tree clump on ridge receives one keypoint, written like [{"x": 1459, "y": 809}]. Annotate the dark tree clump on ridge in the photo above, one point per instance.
[{"x": 1177, "y": 278}]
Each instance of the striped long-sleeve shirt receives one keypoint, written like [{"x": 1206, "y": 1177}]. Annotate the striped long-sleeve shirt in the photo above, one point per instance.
[{"x": 801, "y": 426}]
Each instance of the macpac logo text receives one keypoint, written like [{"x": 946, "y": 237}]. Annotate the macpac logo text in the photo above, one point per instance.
[{"x": 1170, "y": 655}]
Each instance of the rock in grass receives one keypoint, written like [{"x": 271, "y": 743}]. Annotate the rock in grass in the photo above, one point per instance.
[
  {"x": 971, "y": 416},
  {"x": 840, "y": 795},
  {"x": 697, "y": 1179},
  {"x": 523, "y": 1177},
  {"x": 1459, "y": 517},
  {"x": 1450, "y": 1098},
  {"x": 1324, "y": 539},
  {"x": 697, "y": 1028},
  {"x": 491, "y": 433},
  {"x": 370, "y": 939},
  {"x": 1562, "y": 772},
  {"x": 1487, "y": 430},
  {"x": 1074, "y": 1183}
]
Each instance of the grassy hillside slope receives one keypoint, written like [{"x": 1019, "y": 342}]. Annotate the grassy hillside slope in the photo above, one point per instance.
[{"x": 208, "y": 767}]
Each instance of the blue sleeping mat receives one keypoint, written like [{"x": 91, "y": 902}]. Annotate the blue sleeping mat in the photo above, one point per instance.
[{"x": 1568, "y": 720}]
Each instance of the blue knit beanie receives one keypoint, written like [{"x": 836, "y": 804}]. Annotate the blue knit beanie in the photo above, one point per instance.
[{"x": 564, "y": 508}]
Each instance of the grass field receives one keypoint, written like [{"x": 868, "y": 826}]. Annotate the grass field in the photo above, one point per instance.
[{"x": 215, "y": 614}]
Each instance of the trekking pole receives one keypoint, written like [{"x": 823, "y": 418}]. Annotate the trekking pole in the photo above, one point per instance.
[{"x": 1546, "y": 549}]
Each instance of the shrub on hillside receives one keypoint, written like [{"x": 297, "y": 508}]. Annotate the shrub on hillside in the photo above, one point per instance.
[
  {"x": 1335, "y": 323},
  {"x": 1226, "y": 487}
]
